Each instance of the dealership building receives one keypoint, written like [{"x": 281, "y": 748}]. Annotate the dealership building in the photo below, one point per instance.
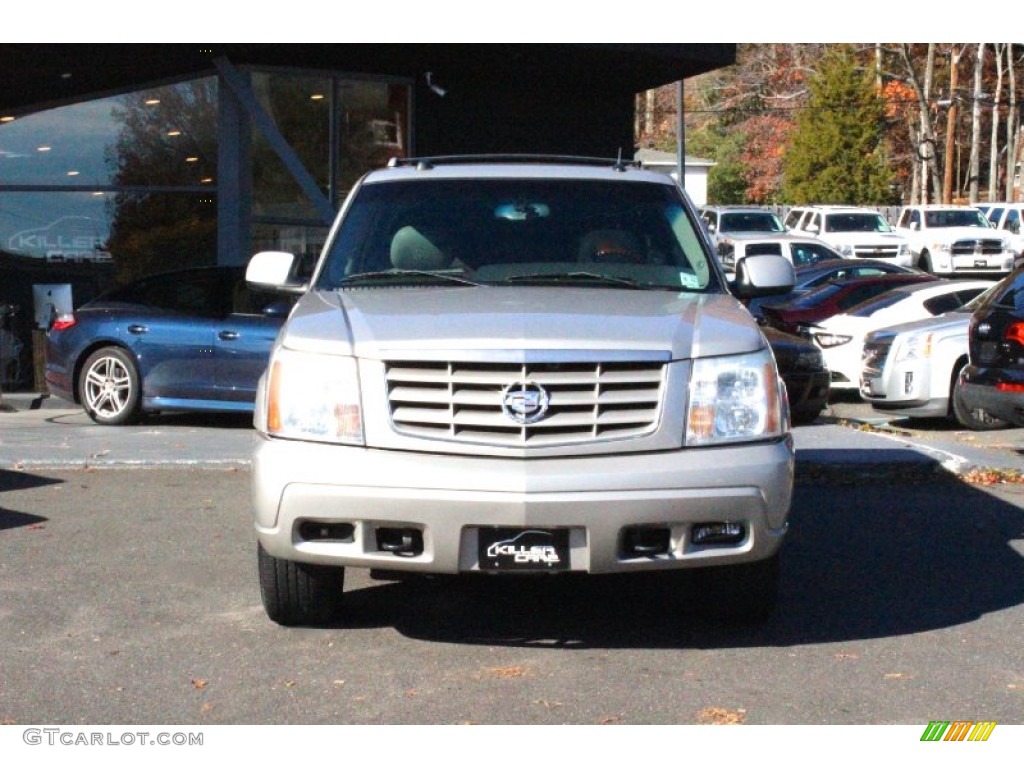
[{"x": 119, "y": 161}]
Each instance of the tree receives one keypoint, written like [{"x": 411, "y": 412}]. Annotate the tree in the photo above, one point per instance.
[{"x": 837, "y": 153}]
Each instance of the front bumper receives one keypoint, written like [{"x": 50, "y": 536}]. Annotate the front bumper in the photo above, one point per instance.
[
  {"x": 906, "y": 389},
  {"x": 446, "y": 499}
]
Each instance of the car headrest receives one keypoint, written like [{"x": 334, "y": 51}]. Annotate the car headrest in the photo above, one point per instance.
[
  {"x": 610, "y": 245},
  {"x": 412, "y": 249}
]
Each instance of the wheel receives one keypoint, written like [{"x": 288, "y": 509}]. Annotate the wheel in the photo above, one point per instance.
[
  {"x": 299, "y": 593},
  {"x": 804, "y": 416},
  {"x": 739, "y": 594},
  {"x": 109, "y": 387},
  {"x": 925, "y": 262},
  {"x": 976, "y": 419}
]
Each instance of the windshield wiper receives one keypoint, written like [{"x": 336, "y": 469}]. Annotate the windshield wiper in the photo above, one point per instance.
[
  {"x": 397, "y": 275},
  {"x": 581, "y": 277}
]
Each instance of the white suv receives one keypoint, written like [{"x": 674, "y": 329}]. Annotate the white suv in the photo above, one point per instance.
[
  {"x": 1007, "y": 218},
  {"x": 954, "y": 240},
  {"x": 508, "y": 367},
  {"x": 860, "y": 233}
]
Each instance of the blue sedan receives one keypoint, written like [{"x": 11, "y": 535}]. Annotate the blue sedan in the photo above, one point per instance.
[{"x": 191, "y": 340}]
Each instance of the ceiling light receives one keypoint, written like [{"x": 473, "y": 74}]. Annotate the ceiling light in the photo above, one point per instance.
[
  {"x": 7, "y": 119},
  {"x": 43, "y": 149},
  {"x": 191, "y": 159},
  {"x": 317, "y": 97},
  {"x": 152, "y": 102},
  {"x": 73, "y": 173},
  {"x": 174, "y": 133}
]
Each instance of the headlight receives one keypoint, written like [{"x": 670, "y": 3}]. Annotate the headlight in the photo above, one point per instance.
[
  {"x": 734, "y": 399},
  {"x": 943, "y": 247},
  {"x": 827, "y": 340},
  {"x": 846, "y": 250},
  {"x": 903, "y": 249},
  {"x": 916, "y": 347},
  {"x": 314, "y": 397}
]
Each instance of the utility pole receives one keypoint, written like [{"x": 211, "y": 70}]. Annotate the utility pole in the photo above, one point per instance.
[
  {"x": 680, "y": 135},
  {"x": 947, "y": 181}
]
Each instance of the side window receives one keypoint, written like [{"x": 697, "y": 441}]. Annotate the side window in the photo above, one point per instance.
[
  {"x": 809, "y": 253},
  {"x": 862, "y": 293},
  {"x": 813, "y": 223},
  {"x": 940, "y": 304},
  {"x": 1012, "y": 222},
  {"x": 793, "y": 218},
  {"x": 994, "y": 214}
]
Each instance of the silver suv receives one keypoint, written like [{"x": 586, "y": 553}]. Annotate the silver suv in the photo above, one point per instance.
[{"x": 520, "y": 367}]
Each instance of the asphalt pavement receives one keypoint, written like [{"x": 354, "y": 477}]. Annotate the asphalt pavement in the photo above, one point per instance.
[{"x": 41, "y": 431}]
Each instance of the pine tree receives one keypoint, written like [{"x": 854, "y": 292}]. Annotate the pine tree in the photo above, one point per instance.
[{"x": 837, "y": 154}]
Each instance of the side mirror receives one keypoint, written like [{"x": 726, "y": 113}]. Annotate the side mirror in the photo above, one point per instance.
[
  {"x": 274, "y": 271},
  {"x": 763, "y": 275}
]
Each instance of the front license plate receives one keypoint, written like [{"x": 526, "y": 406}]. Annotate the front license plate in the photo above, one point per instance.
[{"x": 523, "y": 549}]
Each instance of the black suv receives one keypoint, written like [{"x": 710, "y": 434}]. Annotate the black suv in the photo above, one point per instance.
[{"x": 994, "y": 378}]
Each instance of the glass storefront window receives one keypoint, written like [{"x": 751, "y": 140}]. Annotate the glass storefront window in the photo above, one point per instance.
[
  {"x": 103, "y": 192},
  {"x": 161, "y": 136}
]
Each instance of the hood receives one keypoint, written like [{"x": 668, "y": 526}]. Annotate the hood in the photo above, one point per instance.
[
  {"x": 951, "y": 234},
  {"x": 407, "y": 322},
  {"x": 951, "y": 323}
]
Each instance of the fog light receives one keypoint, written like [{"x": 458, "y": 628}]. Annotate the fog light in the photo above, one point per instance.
[
  {"x": 312, "y": 531},
  {"x": 718, "y": 533}
]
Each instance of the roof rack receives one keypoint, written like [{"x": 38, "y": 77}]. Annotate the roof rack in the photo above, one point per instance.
[{"x": 426, "y": 163}]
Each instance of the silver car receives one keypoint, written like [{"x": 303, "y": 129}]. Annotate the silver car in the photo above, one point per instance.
[
  {"x": 520, "y": 367},
  {"x": 913, "y": 369}
]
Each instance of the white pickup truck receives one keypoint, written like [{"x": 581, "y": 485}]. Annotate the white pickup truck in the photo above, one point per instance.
[{"x": 953, "y": 240}]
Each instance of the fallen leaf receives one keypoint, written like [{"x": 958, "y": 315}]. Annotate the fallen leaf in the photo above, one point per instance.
[
  {"x": 609, "y": 720},
  {"x": 289, "y": 683},
  {"x": 845, "y": 655},
  {"x": 507, "y": 672},
  {"x": 198, "y": 682},
  {"x": 721, "y": 716},
  {"x": 206, "y": 707},
  {"x": 894, "y": 675}
]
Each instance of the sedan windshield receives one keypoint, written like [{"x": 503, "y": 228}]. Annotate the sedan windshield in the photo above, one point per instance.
[{"x": 517, "y": 231}]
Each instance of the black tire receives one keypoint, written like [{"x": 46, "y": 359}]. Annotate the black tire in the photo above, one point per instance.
[
  {"x": 739, "y": 594},
  {"x": 108, "y": 387},
  {"x": 804, "y": 416},
  {"x": 925, "y": 262},
  {"x": 299, "y": 593},
  {"x": 976, "y": 419}
]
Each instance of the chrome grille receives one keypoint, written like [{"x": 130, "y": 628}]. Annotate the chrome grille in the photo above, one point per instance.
[
  {"x": 876, "y": 251},
  {"x": 876, "y": 350},
  {"x": 979, "y": 247},
  {"x": 463, "y": 402}
]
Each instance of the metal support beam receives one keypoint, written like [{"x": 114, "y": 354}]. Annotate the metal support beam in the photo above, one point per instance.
[{"x": 243, "y": 92}]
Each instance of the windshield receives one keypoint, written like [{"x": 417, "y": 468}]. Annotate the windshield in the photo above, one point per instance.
[
  {"x": 522, "y": 231},
  {"x": 856, "y": 222},
  {"x": 962, "y": 218},
  {"x": 750, "y": 221}
]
